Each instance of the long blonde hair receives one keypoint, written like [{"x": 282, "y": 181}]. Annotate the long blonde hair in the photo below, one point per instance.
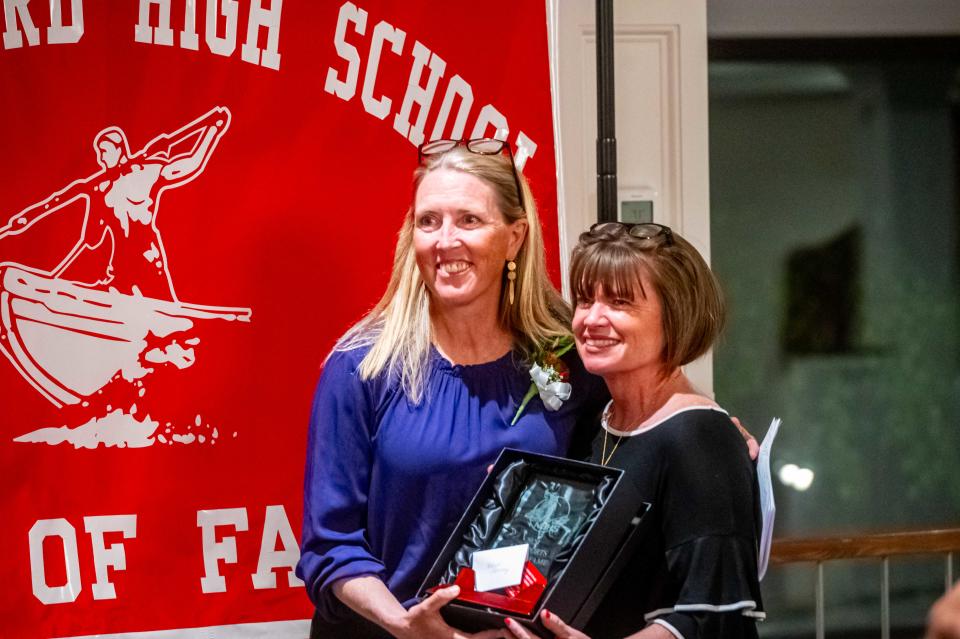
[{"x": 398, "y": 329}]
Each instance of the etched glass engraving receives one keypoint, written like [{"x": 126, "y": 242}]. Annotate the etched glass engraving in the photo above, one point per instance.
[{"x": 547, "y": 516}]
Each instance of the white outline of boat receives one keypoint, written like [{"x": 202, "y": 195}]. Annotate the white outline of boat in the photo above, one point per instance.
[{"x": 70, "y": 340}]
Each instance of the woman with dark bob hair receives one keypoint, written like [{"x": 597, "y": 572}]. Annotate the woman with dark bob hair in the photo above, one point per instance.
[{"x": 645, "y": 304}]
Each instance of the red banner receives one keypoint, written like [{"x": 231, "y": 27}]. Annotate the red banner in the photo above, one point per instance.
[{"x": 198, "y": 198}]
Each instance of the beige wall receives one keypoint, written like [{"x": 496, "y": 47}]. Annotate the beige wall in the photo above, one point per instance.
[{"x": 661, "y": 117}]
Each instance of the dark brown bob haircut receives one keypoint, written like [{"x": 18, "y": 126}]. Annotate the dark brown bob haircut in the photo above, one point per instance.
[{"x": 692, "y": 303}]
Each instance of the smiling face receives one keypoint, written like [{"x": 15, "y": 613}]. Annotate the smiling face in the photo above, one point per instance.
[
  {"x": 617, "y": 335},
  {"x": 462, "y": 240},
  {"x": 670, "y": 308}
]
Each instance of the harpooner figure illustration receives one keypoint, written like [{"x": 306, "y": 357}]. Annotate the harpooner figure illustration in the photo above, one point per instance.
[{"x": 69, "y": 338}]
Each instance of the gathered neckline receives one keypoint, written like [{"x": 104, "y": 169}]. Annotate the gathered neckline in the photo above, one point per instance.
[{"x": 445, "y": 365}]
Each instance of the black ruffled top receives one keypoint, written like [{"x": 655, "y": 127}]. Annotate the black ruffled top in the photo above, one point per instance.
[{"x": 696, "y": 571}]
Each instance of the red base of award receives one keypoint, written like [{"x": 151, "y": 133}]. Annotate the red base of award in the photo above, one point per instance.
[{"x": 520, "y": 599}]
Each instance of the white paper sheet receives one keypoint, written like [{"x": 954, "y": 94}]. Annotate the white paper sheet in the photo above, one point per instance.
[
  {"x": 500, "y": 567},
  {"x": 767, "y": 508}
]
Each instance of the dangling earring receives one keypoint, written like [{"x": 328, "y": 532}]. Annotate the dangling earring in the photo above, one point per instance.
[{"x": 511, "y": 278}]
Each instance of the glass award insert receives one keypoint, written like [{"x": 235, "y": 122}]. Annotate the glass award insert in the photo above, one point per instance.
[
  {"x": 545, "y": 507},
  {"x": 547, "y": 515}
]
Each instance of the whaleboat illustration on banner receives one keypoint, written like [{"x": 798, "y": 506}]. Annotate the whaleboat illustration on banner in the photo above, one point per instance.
[{"x": 69, "y": 337}]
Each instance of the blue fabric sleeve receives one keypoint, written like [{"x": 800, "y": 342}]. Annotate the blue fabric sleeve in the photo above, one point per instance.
[{"x": 334, "y": 544}]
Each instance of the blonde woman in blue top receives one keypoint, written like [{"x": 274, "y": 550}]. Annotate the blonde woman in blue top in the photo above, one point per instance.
[{"x": 418, "y": 398}]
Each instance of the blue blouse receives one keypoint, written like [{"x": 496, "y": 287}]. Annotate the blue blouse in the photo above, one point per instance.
[{"x": 388, "y": 480}]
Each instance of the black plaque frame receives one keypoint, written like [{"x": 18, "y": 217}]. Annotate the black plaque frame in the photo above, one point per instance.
[{"x": 594, "y": 564}]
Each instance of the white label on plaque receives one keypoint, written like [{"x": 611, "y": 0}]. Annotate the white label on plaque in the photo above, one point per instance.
[{"x": 500, "y": 567}]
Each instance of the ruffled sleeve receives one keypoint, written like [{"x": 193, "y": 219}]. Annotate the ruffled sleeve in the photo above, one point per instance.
[
  {"x": 334, "y": 543},
  {"x": 719, "y": 595},
  {"x": 709, "y": 530}
]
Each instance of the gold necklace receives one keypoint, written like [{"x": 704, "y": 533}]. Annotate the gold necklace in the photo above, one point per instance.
[
  {"x": 604, "y": 422},
  {"x": 604, "y": 457}
]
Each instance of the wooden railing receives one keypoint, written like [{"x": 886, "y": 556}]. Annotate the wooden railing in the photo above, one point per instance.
[{"x": 879, "y": 547}]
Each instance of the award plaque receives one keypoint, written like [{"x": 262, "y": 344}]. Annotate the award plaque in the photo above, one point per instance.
[{"x": 574, "y": 520}]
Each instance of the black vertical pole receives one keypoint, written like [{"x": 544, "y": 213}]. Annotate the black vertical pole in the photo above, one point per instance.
[{"x": 606, "y": 129}]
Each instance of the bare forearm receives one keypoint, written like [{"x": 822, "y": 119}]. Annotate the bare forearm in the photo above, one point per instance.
[
  {"x": 653, "y": 631},
  {"x": 561, "y": 630},
  {"x": 369, "y": 597}
]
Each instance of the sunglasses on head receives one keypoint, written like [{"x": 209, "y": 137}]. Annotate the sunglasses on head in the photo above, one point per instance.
[
  {"x": 480, "y": 146},
  {"x": 643, "y": 230}
]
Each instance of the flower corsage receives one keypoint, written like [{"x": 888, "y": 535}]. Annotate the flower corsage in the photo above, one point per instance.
[{"x": 549, "y": 375}]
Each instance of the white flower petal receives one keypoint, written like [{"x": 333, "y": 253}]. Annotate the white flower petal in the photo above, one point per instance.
[
  {"x": 561, "y": 390},
  {"x": 552, "y": 393},
  {"x": 551, "y": 402},
  {"x": 540, "y": 376}
]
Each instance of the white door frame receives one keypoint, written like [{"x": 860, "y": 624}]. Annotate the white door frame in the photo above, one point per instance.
[{"x": 660, "y": 52}]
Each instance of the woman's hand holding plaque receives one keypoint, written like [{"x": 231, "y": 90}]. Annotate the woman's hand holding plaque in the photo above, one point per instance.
[{"x": 423, "y": 621}]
